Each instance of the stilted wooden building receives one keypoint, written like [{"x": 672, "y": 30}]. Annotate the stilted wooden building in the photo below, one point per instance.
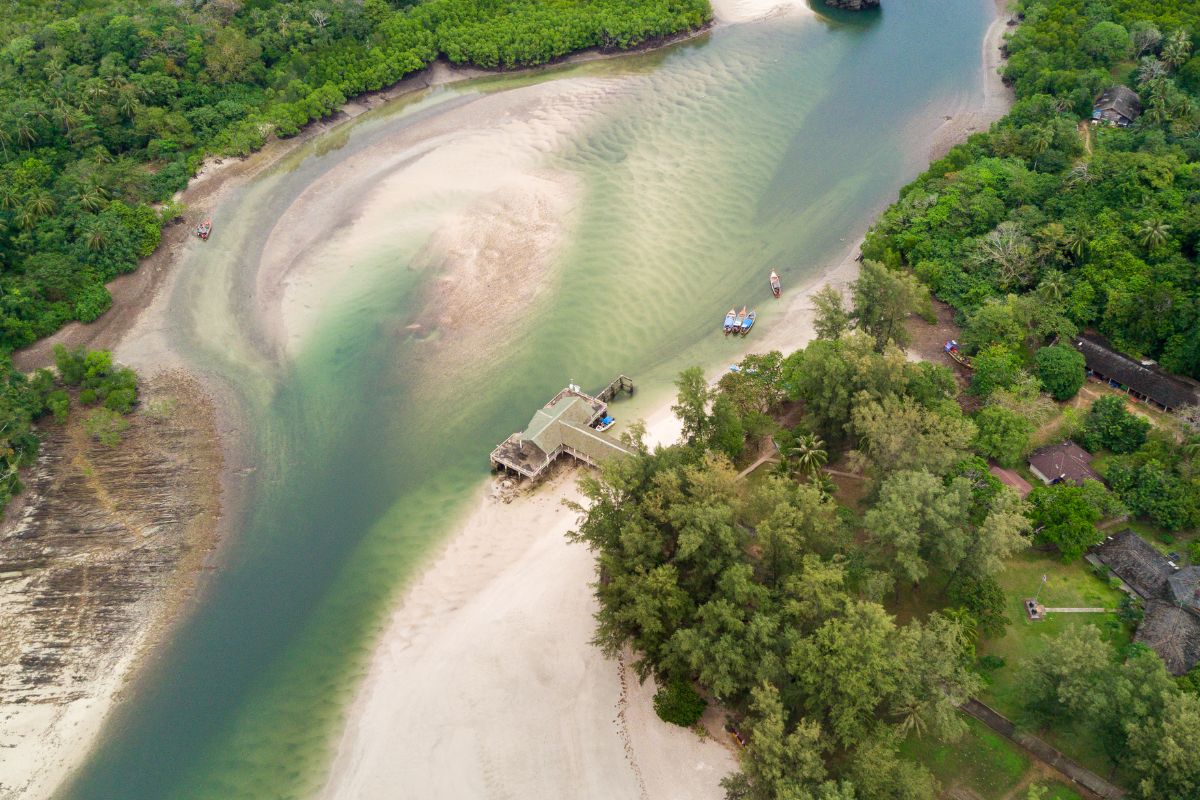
[{"x": 564, "y": 426}]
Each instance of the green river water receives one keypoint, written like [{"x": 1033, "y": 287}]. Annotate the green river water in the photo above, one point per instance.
[{"x": 769, "y": 144}]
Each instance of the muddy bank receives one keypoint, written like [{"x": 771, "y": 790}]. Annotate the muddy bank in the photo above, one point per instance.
[{"x": 97, "y": 555}]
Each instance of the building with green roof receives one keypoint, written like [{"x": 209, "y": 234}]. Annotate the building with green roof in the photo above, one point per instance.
[{"x": 564, "y": 426}]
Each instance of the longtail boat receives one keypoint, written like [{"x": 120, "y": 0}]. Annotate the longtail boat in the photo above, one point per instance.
[
  {"x": 776, "y": 286},
  {"x": 737, "y": 324},
  {"x": 748, "y": 322},
  {"x": 951, "y": 349},
  {"x": 730, "y": 320}
]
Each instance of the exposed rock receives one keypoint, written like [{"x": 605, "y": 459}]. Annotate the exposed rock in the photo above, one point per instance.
[{"x": 100, "y": 550}]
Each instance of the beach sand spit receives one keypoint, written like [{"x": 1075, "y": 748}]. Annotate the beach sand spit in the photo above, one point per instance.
[{"x": 484, "y": 682}]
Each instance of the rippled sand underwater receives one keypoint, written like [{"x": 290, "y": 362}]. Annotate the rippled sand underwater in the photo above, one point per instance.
[{"x": 679, "y": 180}]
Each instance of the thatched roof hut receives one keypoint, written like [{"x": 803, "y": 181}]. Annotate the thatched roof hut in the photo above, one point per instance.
[
  {"x": 1143, "y": 381},
  {"x": 1137, "y": 563},
  {"x": 1171, "y": 625},
  {"x": 1184, "y": 588},
  {"x": 1118, "y": 105},
  {"x": 1173, "y": 633}
]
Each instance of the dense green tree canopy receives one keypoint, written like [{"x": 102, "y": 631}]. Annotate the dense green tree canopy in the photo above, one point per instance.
[
  {"x": 1105, "y": 238},
  {"x": 1061, "y": 370}
]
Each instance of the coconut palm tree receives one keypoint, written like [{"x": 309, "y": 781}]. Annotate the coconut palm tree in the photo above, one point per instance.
[
  {"x": 1177, "y": 49},
  {"x": 807, "y": 453},
  {"x": 92, "y": 198},
  {"x": 910, "y": 715},
  {"x": 1040, "y": 141},
  {"x": 1154, "y": 232},
  {"x": 41, "y": 203},
  {"x": 1077, "y": 243},
  {"x": 1053, "y": 286},
  {"x": 96, "y": 238}
]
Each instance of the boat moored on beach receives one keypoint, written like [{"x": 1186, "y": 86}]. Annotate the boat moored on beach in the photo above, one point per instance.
[
  {"x": 737, "y": 323},
  {"x": 748, "y": 322},
  {"x": 776, "y": 286}
]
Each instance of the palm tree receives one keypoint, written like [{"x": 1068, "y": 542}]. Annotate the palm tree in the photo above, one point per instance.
[
  {"x": 807, "y": 453},
  {"x": 1077, "y": 243},
  {"x": 1040, "y": 141},
  {"x": 10, "y": 198},
  {"x": 92, "y": 198},
  {"x": 41, "y": 203},
  {"x": 1154, "y": 232},
  {"x": 1177, "y": 49},
  {"x": 97, "y": 238},
  {"x": 1053, "y": 286},
  {"x": 910, "y": 714}
]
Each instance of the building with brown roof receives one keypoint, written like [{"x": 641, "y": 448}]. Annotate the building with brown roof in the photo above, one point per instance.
[
  {"x": 1010, "y": 479},
  {"x": 1062, "y": 462}
]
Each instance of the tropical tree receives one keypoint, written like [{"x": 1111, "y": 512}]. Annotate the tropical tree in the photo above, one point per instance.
[{"x": 1154, "y": 232}]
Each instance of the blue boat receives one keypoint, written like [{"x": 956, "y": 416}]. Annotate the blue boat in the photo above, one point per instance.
[
  {"x": 730, "y": 321},
  {"x": 748, "y": 322}
]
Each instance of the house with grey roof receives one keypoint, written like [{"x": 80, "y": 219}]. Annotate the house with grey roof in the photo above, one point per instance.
[
  {"x": 1143, "y": 381},
  {"x": 1118, "y": 105},
  {"x": 1171, "y": 623}
]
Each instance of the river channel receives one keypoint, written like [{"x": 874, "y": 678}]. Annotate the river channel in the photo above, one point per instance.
[{"x": 656, "y": 189}]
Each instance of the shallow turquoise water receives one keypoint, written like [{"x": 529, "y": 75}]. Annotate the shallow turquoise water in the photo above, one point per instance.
[{"x": 763, "y": 145}]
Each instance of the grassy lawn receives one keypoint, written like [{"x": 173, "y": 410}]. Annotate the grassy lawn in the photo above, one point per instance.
[
  {"x": 1067, "y": 586},
  {"x": 982, "y": 761},
  {"x": 1060, "y": 791}
]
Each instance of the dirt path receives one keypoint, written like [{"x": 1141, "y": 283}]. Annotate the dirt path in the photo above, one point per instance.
[{"x": 1085, "y": 133}]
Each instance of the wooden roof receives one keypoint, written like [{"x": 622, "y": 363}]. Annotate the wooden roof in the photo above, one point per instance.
[
  {"x": 1120, "y": 99},
  {"x": 1135, "y": 561},
  {"x": 1163, "y": 388},
  {"x": 1173, "y": 633}
]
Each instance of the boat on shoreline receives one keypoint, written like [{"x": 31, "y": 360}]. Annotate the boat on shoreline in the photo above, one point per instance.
[
  {"x": 737, "y": 323},
  {"x": 951, "y": 349},
  {"x": 730, "y": 321},
  {"x": 776, "y": 286},
  {"x": 748, "y": 322}
]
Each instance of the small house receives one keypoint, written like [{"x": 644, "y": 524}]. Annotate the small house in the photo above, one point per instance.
[
  {"x": 1171, "y": 623},
  {"x": 1062, "y": 462},
  {"x": 1143, "y": 381},
  {"x": 1118, "y": 105}
]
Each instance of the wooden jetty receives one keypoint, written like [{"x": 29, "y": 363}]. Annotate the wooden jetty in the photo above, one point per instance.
[{"x": 564, "y": 426}]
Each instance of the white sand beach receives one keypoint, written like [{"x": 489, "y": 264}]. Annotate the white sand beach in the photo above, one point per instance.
[{"x": 484, "y": 683}]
